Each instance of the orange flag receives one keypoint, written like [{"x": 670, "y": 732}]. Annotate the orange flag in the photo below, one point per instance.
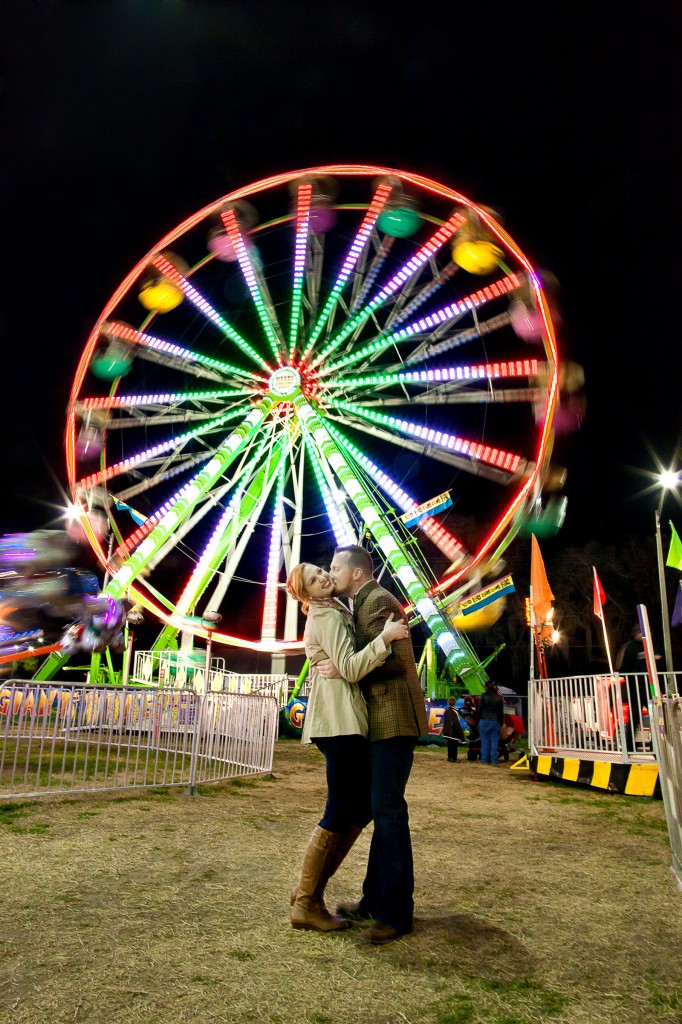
[{"x": 542, "y": 592}]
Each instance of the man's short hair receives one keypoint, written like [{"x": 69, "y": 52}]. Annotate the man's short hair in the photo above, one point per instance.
[{"x": 359, "y": 557}]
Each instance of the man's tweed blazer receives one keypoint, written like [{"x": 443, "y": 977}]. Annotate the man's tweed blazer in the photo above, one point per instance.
[{"x": 395, "y": 700}]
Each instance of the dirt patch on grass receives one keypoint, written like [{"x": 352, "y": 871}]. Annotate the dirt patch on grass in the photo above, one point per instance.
[{"x": 535, "y": 903}]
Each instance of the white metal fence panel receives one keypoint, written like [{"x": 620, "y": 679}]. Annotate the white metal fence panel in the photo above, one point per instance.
[
  {"x": 667, "y": 736},
  {"x": 56, "y": 739},
  {"x": 237, "y": 736},
  {"x": 601, "y": 717}
]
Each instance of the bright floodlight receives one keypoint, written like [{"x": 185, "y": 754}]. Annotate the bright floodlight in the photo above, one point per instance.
[
  {"x": 72, "y": 513},
  {"x": 669, "y": 480}
]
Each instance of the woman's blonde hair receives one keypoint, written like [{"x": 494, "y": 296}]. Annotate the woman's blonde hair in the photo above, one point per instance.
[{"x": 296, "y": 586}]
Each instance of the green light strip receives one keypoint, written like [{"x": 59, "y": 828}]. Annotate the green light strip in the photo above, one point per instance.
[
  {"x": 201, "y": 484},
  {"x": 197, "y": 299},
  {"x": 354, "y": 253},
  {"x": 213, "y": 554},
  {"x": 234, "y": 233},
  {"x": 394, "y": 552}
]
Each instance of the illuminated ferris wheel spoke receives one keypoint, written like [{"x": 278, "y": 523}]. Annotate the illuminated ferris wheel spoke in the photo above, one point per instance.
[
  {"x": 245, "y": 505},
  {"x": 176, "y": 357},
  {"x": 412, "y": 267},
  {"x": 432, "y": 451},
  {"x": 497, "y": 457},
  {"x": 182, "y": 508},
  {"x": 255, "y": 283},
  {"x": 333, "y": 499},
  {"x": 269, "y": 625},
  {"x": 171, "y": 466},
  {"x": 401, "y": 313},
  {"x": 358, "y": 246},
  {"x": 426, "y": 324},
  {"x": 303, "y": 199},
  {"x": 432, "y": 347},
  {"x": 180, "y": 281},
  {"x": 389, "y": 544},
  {"x": 364, "y": 284},
  {"x": 461, "y": 375},
  {"x": 153, "y": 453},
  {"x": 438, "y": 534},
  {"x": 160, "y": 401}
]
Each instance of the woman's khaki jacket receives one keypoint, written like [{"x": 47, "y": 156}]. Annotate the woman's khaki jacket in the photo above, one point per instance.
[{"x": 336, "y": 707}]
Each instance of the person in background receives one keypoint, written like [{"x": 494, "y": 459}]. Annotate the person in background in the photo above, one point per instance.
[
  {"x": 336, "y": 722},
  {"x": 489, "y": 718},
  {"x": 452, "y": 729}
]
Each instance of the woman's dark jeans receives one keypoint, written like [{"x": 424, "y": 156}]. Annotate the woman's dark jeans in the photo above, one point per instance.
[{"x": 348, "y": 782}]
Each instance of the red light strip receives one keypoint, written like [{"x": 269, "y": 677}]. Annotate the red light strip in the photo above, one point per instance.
[
  {"x": 231, "y": 224},
  {"x": 304, "y": 197},
  {"x": 180, "y": 281},
  {"x": 168, "y": 348}
]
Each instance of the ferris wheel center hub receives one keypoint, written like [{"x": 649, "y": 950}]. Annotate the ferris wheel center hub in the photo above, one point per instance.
[{"x": 285, "y": 382}]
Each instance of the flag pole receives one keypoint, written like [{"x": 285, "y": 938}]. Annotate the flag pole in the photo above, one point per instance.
[
  {"x": 603, "y": 623},
  {"x": 532, "y": 632}
]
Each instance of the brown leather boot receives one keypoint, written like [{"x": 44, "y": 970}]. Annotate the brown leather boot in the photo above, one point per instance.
[
  {"x": 320, "y": 860},
  {"x": 345, "y": 842}
]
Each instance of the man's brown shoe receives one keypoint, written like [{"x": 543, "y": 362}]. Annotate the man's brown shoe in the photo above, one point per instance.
[
  {"x": 379, "y": 934},
  {"x": 352, "y": 912}
]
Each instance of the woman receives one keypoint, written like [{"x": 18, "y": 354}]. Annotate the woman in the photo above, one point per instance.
[{"x": 336, "y": 721}]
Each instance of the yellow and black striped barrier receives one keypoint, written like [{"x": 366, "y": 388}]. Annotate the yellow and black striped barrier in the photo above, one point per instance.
[{"x": 631, "y": 779}]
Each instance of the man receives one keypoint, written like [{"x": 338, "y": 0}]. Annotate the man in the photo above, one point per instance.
[
  {"x": 489, "y": 718},
  {"x": 397, "y": 717}
]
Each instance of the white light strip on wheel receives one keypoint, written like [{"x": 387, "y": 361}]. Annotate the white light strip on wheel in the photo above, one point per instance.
[
  {"x": 383, "y": 534},
  {"x": 341, "y": 531},
  {"x": 304, "y": 197},
  {"x": 180, "y": 281},
  {"x": 441, "y": 316},
  {"x": 426, "y": 350},
  {"x": 231, "y": 224},
  {"x": 483, "y": 371},
  {"x": 441, "y": 537},
  {"x": 114, "y": 329},
  {"x": 178, "y": 397},
  {"x": 412, "y": 266},
  {"x": 202, "y": 483},
  {"x": 359, "y": 243},
  {"x": 473, "y": 449},
  {"x": 158, "y": 449},
  {"x": 269, "y": 627}
]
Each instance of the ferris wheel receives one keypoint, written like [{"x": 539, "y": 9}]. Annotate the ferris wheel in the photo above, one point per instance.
[{"x": 326, "y": 355}]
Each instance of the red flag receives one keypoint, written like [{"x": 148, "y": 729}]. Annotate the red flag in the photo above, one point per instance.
[{"x": 599, "y": 596}]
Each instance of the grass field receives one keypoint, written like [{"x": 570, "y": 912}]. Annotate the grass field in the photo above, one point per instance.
[{"x": 536, "y": 902}]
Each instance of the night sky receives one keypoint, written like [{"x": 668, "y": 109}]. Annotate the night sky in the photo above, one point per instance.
[{"x": 122, "y": 118}]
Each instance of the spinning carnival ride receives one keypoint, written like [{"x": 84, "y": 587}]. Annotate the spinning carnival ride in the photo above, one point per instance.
[{"x": 307, "y": 343}]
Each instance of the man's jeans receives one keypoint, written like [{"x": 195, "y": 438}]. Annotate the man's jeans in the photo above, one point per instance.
[
  {"x": 490, "y": 741},
  {"x": 387, "y": 892}
]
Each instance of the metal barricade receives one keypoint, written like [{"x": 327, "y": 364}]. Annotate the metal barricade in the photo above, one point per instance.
[
  {"x": 667, "y": 736},
  {"x": 57, "y": 739},
  {"x": 600, "y": 717}
]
